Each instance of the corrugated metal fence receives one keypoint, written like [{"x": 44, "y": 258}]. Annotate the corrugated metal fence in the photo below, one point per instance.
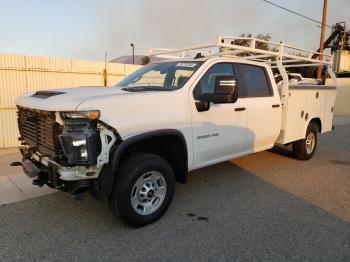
[{"x": 21, "y": 74}]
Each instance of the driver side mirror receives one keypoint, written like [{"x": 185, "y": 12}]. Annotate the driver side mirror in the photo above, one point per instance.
[{"x": 225, "y": 91}]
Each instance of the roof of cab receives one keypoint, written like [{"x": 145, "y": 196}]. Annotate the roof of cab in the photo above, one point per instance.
[{"x": 204, "y": 59}]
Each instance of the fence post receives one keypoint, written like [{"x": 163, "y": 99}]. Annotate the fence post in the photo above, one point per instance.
[{"x": 105, "y": 77}]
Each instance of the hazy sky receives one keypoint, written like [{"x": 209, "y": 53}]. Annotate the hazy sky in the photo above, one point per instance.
[{"x": 85, "y": 29}]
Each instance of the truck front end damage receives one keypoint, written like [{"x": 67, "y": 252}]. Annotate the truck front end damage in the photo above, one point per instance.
[{"x": 64, "y": 150}]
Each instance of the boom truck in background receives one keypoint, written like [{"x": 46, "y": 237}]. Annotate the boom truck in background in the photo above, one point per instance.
[
  {"x": 204, "y": 105},
  {"x": 339, "y": 44}
]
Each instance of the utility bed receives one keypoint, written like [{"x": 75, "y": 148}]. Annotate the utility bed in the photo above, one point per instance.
[{"x": 305, "y": 102}]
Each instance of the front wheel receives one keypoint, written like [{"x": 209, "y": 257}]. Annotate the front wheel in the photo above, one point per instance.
[
  {"x": 304, "y": 149},
  {"x": 144, "y": 189}
]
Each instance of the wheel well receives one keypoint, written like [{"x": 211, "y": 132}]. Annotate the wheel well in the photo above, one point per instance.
[
  {"x": 170, "y": 146},
  {"x": 317, "y": 122}
]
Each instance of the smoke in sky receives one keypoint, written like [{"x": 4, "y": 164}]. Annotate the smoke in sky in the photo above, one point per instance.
[
  {"x": 159, "y": 23},
  {"x": 85, "y": 29}
]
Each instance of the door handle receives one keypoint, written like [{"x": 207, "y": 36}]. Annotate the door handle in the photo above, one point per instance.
[
  {"x": 276, "y": 105},
  {"x": 240, "y": 108}
]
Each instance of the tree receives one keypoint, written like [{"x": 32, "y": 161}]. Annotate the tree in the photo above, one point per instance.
[
  {"x": 308, "y": 71},
  {"x": 258, "y": 45},
  {"x": 304, "y": 71},
  {"x": 145, "y": 60}
]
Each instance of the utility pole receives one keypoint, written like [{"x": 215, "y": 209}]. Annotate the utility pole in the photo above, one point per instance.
[
  {"x": 133, "y": 53},
  {"x": 105, "y": 82},
  {"x": 323, "y": 30}
]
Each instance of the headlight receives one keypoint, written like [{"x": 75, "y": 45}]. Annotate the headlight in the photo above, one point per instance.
[
  {"x": 80, "y": 141},
  {"x": 91, "y": 115}
]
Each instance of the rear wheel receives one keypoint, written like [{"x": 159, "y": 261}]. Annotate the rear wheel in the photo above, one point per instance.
[
  {"x": 144, "y": 190},
  {"x": 304, "y": 149}
]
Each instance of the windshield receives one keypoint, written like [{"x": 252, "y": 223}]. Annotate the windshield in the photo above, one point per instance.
[{"x": 165, "y": 76}]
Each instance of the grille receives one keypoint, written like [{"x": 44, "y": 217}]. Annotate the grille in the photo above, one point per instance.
[{"x": 39, "y": 130}]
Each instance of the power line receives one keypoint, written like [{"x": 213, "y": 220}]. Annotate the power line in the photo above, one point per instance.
[{"x": 293, "y": 12}]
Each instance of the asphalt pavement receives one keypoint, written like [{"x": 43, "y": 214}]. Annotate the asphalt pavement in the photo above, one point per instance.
[{"x": 262, "y": 207}]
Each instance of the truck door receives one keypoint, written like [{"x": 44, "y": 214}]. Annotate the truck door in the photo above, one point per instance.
[
  {"x": 219, "y": 132},
  {"x": 263, "y": 106}
]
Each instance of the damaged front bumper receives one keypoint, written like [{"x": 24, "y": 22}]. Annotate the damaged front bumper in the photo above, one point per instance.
[
  {"x": 74, "y": 179},
  {"x": 52, "y": 174}
]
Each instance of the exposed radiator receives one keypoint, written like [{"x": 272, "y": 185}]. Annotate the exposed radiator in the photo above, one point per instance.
[{"x": 39, "y": 130}]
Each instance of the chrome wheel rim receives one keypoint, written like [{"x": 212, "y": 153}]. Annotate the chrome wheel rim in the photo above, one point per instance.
[
  {"x": 148, "y": 193},
  {"x": 310, "y": 143}
]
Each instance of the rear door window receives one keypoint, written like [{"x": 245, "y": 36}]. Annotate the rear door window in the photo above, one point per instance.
[{"x": 255, "y": 80}]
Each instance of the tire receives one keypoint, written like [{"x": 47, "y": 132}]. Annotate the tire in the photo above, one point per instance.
[
  {"x": 144, "y": 190},
  {"x": 304, "y": 149}
]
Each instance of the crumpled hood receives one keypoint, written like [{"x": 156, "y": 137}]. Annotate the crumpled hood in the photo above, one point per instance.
[{"x": 67, "y": 99}]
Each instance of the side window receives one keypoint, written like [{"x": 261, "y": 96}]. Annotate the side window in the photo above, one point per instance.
[
  {"x": 255, "y": 80},
  {"x": 207, "y": 82}
]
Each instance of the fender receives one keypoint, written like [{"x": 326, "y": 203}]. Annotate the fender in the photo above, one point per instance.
[
  {"x": 318, "y": 123},
  {"x": 109, "y": 172}
]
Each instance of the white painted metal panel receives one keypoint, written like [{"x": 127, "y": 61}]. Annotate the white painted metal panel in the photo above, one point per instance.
[
  {"x": 305, "y": 104},
  {"x": 329, "y": 110},
  {"x": 316, "y": 101},
  {"x": 295, "y": 118}
]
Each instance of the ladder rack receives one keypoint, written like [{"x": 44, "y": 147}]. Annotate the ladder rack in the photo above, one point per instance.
[
  {"x": 249, "y": 48},
  {"x": 276, "y": 54}
]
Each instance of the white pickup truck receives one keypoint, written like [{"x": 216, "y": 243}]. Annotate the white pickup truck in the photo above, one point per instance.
[{"x": 132, "y": 141}]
